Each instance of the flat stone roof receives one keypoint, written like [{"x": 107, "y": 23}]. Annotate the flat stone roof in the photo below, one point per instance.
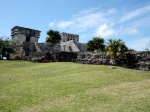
[{"x": 18, "y": 27}]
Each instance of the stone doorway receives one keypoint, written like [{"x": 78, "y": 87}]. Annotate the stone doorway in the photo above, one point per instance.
[
  {"x": 70, "y": 49},
  {"x": 27, "y": 39}
]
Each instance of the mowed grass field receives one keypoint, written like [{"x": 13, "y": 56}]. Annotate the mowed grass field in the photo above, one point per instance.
[{"x": 72, "y": 87}]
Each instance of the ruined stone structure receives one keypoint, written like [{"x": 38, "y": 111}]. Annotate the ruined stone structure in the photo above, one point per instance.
[
  {"x": 22, "y": 34},
  {"x": 69, "y": 49},
  {"x": 68, "y": 43},
  {"x": 133, "y": 60},
  {"x": 67, "y": 37}
]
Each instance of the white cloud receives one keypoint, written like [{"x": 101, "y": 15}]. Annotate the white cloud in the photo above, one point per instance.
[
  {"x": 95, "y": 22},
  {"x": 64, "y": 24},
  {"x": 135, "y": 13},
  {"x": 86, "y": 20},
  {"x": 89, "y": 19},
  {"x": 138, "y": 44},
  {"x": 51, "y": 24},
  {"x": 87, "y": 11},
  {"x": 112, "y": 11},
  {"x": 131, "y": 31},
  {"x": 105, "y": 30},
  {"x": 142, "y": 22}
]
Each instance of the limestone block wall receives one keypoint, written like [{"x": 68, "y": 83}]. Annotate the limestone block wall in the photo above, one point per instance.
[
  {"x": 82, "y": 47},
  {"x": 143, "y": 60},
  {"x": 57, "y": 48},
  {"x": 67, "y": 37},
  {"x": 52, "y": 57},
  {"x": 19, "y": 37},
  {"x": 23, "y": 34},
  {"x": 133, "y": 60},
  {"x": 69, "y": 46},
  {"x": 33, "y": 39},
  {"x": 44, "y": 47}
]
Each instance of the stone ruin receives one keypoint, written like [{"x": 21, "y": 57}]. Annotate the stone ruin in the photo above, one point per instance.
[
  {"x": 69, "y": 50},
  {"x": 133, "y": 60},
  {"x": 68, "y": 43},
  {"x": 22, "y": 34}
]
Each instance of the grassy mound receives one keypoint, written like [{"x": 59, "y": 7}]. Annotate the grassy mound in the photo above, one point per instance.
[{"x": 71, "y": 87}]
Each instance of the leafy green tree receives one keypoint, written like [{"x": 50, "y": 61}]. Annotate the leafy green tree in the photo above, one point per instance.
[
  {"x": 90, "y": 46},
  {"x": 96, "y": 43},
  {"x": 53, "y": 37},
  {"x": 114, "y": 48},
  {"x": 5, "y": 48}
]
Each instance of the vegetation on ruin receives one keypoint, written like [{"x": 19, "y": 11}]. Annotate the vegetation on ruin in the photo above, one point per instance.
[
  {"x": 5, "y": 47},
  {"x": 116, "y": 47},
  {"x": 53, "y": 37},
  {"x": 71, "y": 87}
]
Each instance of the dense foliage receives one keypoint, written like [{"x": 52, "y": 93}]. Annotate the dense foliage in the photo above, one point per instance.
[
  {"x": 53, "y": 36},
  {"x": 96, "y": 44},
  {"x": 5, "y": 48},
  {"x": 116, "y": 47}
]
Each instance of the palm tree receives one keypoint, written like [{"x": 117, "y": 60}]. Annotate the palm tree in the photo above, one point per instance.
[
  {"x": 53, "y": 37},
  {"x": 115, "y": 47}
]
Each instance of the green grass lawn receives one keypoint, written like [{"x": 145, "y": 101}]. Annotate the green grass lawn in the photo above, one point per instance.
[{"x": 71, "y": 87}]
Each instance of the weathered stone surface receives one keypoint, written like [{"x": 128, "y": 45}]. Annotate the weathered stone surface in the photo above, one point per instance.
[
  {"x": 53, "y": 57},
  {"x": 67, "y": 37},
  {"x": 134, "y": 60},
  {"x": 23, "y": 34}
]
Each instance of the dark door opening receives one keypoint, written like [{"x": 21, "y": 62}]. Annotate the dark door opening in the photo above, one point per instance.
[
  {"x": 27, "y": 39},
  {"x": 70, "y": 49}
]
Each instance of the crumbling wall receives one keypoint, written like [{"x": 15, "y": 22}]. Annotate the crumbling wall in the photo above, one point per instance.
[
  {"x": 28, "y": 51},
  {"x": 133, "y": 60},
  {"x": 69, "y": 46},
  {"x": 52, "y": 57}
]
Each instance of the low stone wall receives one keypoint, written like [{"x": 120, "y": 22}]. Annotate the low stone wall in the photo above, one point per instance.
[
  {"x": 133, "y": 60},
  {"x": 51, "y": 57}
]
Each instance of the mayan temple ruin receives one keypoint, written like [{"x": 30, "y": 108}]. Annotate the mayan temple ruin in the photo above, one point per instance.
[
  {"x": 25, "y": 34},
  {"x": 68, "y": 43},
  {"x": 69, "y": 49}
]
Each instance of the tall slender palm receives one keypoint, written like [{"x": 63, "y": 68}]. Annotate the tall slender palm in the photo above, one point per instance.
[{"x": 115, "y": 47}]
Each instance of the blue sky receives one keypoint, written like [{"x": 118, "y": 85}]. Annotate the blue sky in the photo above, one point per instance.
[{"x": 128, "y": 20}]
